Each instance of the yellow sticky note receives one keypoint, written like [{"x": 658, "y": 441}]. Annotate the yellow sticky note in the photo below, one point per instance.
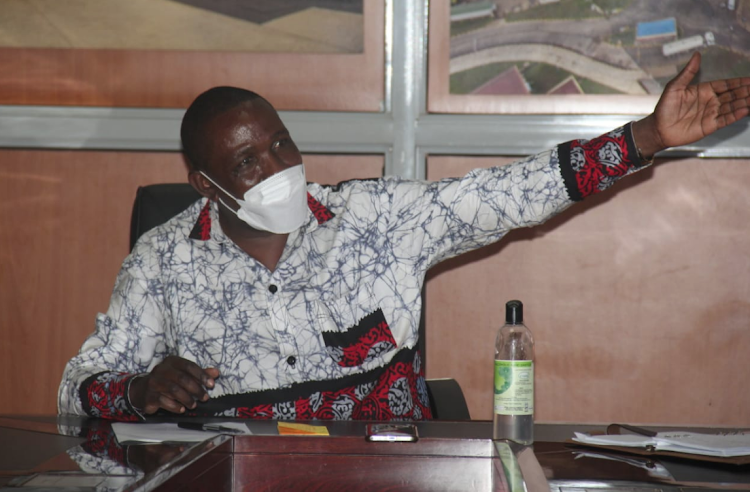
[{"x": 290, "y": 428}]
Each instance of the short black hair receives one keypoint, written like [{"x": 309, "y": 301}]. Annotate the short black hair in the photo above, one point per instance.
[{"x": 201, "y": 111}]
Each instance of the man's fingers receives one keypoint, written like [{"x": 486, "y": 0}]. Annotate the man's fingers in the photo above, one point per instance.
[
  {"x": 187, "y": 374},
  {"x": 189, "y": 367},
  {"x": 170, "y": 396},
  {"x": 177, "y": 384},
  {"x": 741, "y": 94},
  {"x": 158, "y": 400},
  {"x": 209, "y": 375},
  {"x": 730, "y": 84},
  {"x": 732, "y": 107},
  {"x": 204, "y": 377},
  {"x": 170, "y": 404},
  {"x": 688, "y": 73},
  {"x": 187, "y": 389},
  {"x": 732, "y": 116}
]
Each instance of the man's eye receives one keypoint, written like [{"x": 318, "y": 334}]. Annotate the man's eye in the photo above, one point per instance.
[{"x": 243, "y": 165}]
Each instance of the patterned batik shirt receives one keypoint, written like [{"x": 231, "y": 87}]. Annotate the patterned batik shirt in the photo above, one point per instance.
[{"x": 332, "y": 332}]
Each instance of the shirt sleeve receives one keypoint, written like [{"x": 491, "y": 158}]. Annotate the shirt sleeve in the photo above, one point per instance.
[
  {"x": 591, "y": 166},
  {"x": 434, "y": 221},
  {"x": 130, "y": 339}
]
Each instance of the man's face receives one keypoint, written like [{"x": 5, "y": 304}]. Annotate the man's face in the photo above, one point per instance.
[{"x": 246, "y": 145}]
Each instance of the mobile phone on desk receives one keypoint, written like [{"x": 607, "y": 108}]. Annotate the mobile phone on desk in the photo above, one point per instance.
[{"x": 392, "y": 433}]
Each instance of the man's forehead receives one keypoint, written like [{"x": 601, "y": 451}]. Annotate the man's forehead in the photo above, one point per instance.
[
  {"x": 257, "y": 113},
  {"x": 246, "y": 126}
]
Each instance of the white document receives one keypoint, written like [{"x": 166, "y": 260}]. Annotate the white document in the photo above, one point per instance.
[
  {"x": 723, "y": 445},
  {"x": 161, "y": 432}
]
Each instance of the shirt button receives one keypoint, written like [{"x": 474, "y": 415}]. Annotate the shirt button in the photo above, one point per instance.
[
  {"x": 272, "y": 289},
  {"x": 291, "y": 360}
]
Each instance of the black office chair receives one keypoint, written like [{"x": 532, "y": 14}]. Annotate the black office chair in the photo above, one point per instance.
[{"x": 156, "y": 204}]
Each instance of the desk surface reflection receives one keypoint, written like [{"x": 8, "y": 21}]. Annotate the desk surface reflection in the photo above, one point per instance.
[{"x": 72, "y": 453}]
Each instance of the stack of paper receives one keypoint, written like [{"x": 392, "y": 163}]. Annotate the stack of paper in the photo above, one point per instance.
[
  {"x": 723, "y": 445},
  {"x": 162, "y": 432}
]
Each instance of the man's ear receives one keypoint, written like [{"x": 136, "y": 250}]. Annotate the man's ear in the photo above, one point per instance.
[{"x": 202, "y": 185}]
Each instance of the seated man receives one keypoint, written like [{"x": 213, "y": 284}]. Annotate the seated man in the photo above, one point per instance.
[{"x": 274, "y": 298}]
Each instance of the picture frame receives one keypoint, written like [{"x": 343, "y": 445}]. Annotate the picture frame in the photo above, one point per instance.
[
  {"x": 441, "y": 64},
  {"x": 145, "y": 78}
]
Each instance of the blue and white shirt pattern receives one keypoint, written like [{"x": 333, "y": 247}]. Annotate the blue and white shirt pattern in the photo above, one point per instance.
[{"x": 332, "y": 332}]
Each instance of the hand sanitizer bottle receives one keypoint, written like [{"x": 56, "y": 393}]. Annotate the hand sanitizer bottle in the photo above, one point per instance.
[{"x": 514, "y": 378}]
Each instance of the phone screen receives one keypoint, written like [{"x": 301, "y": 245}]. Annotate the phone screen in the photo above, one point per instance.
[{"x": 392, "y": 433}]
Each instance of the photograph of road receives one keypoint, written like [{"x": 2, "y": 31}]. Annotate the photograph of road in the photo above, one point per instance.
[
  {"x": 560, "y": 47},
  {"x": 279, "y": 26}
]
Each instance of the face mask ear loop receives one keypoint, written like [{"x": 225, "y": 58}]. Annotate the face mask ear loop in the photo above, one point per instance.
[
  {"x": 225, "y": 192},
  {"x": 228, "y": 207}
]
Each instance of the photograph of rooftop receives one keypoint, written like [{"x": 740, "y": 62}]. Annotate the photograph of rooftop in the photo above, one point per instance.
[{"x": 520, "y": 47}]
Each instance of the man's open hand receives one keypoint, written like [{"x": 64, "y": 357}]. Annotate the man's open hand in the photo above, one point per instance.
[
  {"x": 687, "y": 113},
  {"x": 176, "y": 384}
]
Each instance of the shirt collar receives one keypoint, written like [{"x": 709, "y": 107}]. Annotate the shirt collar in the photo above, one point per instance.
[{"x": 203, "y": 229}]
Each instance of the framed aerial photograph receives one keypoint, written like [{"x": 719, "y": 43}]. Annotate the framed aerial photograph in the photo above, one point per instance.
[
  {"x": 577, "y": 56},
  {"x": 301, "y": 54}
]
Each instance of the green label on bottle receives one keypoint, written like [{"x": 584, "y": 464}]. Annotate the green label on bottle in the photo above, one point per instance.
[{"x": 514, "y": 387}]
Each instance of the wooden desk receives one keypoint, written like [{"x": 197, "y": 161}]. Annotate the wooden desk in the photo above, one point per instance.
[{"x": 451, "y": 456}]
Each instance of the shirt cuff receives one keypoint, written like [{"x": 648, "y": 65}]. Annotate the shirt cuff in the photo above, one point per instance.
[
  {"x": 591, "y": 166},
  {"x": 105, "y": 395}
]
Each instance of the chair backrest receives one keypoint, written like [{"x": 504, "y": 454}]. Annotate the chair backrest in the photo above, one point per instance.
[{"x": 156, "y": 204}]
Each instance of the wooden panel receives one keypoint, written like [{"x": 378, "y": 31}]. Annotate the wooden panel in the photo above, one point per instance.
[
  {"x": 212, "y": 471},
  {"x": 332, "y": 169},
  {"x": 365, "y": 473},
  {"x": 66, "y": 217},
  {"x": 66, "y": 222},
  {"x": 172, "y": 79},
  {"x": 638, "y": 298},
  {"x": 357, "y": 445}
]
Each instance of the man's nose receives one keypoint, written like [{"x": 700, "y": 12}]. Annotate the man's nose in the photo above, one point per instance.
[{"x": 274, "y": 164}]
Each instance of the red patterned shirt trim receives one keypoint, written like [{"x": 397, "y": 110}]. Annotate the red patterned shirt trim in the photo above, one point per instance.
[
  {"x": 321, "y": 213},
  {"x": 394, "y": 396},
  {"x": 202, "y": 228},
  {"x": 591, "y": 166},
  {"x": 378, "y": 336},
  {"x": 103, "y": 396},
  {"x": 103, "y": 442}
]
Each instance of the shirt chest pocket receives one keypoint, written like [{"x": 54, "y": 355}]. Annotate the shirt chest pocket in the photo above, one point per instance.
[{"x": 354, "y": 328}]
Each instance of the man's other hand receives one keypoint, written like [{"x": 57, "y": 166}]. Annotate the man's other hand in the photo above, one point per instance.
[
  {"x": 687, "y": 113},
  {"x": 175, "y": 384}
]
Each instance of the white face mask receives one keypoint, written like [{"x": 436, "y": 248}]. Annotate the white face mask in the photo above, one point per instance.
[{"x": 277, "y": 204}]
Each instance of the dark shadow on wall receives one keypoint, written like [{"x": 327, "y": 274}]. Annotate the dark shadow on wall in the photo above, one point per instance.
[{"x": 260, "y": 11}]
